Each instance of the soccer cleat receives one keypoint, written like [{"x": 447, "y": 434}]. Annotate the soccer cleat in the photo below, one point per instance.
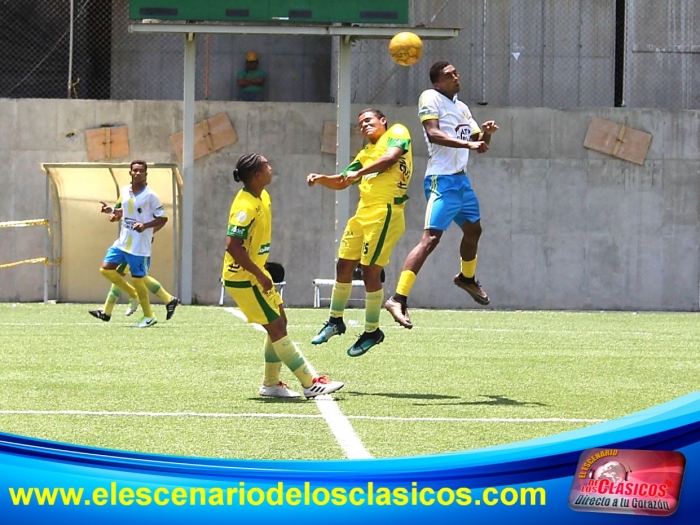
[
  {"x": 133, "y": 306},
  {"x": 322, "y": 385},
  {"x": 329, "y": 330},
  {"x": 366, "y": 341},
  {"x": 100, "y": 314},
  {"x": 473, "y": 288},
  {"x": 170, "y": 308},
  {"x": 279, "y": 390},
  {"x": 145, "y": 322},
  {"x": 399, "y": 312}
]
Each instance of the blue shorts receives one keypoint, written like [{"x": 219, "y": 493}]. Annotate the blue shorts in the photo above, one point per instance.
[
  {"x": 138, "y": 264},
  {"x": 450, "y": 198}
]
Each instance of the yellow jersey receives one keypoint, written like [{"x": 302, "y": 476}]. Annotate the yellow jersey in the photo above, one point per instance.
[
  {"x": 250, "y": 219},
  {"x": 390, "y": 186}
]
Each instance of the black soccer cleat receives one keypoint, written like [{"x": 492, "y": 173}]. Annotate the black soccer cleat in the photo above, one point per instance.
[
  {"x": 100, "y": 314},
  {"x": 366, "y": 341},
  {"x": 170, "y": 308}
]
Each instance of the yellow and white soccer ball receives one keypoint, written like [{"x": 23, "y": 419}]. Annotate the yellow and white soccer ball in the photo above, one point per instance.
[{"x": 406, "y": 48}]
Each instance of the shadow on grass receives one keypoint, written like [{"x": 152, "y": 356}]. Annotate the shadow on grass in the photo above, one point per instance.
[
  {"x": 492, "y": 401},
  {"x": 400, "y": 396},
  {"x": 489, "y": 401}
]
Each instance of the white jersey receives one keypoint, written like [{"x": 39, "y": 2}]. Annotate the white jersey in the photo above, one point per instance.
[
  {"x": 455, "y": 119},
  {"x": 142, "y": 208}
]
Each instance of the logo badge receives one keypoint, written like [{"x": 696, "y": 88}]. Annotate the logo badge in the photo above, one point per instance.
[
  {"x": 617, "y": 481},
  {"x": 241, "y": 216}
]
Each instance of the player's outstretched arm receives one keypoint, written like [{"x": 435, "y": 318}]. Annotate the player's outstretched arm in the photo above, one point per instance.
[{"x": 332, "y": 182}]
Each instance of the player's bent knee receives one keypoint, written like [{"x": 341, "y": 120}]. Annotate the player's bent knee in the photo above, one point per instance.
[
  {"x": 276, "y": 329},
  {"x": 430, "y": 242},
  {"x": 344, "y": 270}
]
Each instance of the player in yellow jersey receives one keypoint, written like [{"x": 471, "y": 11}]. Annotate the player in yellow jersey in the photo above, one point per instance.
[
  {"x": 248, "y": 240},
  {"x": 383, "y": 170}
]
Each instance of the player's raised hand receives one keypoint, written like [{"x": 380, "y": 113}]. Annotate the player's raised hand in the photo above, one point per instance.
[
  {"x": 489, "y": 127},
  {"x": 106, "y": 208}
]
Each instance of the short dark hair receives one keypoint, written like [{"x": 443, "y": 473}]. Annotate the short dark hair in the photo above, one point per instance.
[
  {"x": 246, "y": 167},
  {"x": 436, "y": 69},
  {"x": 138, "y": 161},
  {"x": 376, "y": 112}
]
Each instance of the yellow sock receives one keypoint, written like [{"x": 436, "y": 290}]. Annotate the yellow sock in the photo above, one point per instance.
[
  {"x": 157, "y": 289},
  {"x": 273, "y": 364},
  {"x": 112, "y": 298},
  {"x": 294, "y": 359},
  {"x": 373, "y": 307},
  {"x": 118, "y": 280},
  {"x": 469, "y": 268},
  {"x": 406, "y": 280},
  {"x": 339, "y": 298},
  {"x": 142, "y": 292}
]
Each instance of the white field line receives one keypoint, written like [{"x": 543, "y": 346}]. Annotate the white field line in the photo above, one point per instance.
[
  {"x": 294, "y": 416},
  {"x": 330, "y": 411}
]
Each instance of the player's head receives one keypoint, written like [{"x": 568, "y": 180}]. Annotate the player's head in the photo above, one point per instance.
[
  {"x": 445, "y": 78},
  {"x": 373, "y": 124},
  {"x": 252, "y": 167},
  {"x": 138, "y": 171}
]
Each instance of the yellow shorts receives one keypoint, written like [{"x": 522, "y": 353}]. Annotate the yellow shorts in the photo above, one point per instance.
[
  {"x": 372, "y": 233},
  {"x": 258, "y": 306}
]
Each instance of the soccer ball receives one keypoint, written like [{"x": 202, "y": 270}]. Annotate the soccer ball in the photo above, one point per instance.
[{"x": 405, "y": 48}]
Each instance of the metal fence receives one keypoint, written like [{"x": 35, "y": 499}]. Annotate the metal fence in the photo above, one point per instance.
[{"x": 531, "y": 53}]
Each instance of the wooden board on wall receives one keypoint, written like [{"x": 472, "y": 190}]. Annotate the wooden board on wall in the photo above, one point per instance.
[
  {"x": 210, "y": 135},
  {"x": 107, "y": 143},
  {"x": 329, "y": 138},
  {"x": 617, "y": 140}
]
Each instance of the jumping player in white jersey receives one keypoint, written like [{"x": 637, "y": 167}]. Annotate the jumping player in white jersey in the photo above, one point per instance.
[
  {"x": 141, "y": 212},
  {"x": 450, "y": 131}
]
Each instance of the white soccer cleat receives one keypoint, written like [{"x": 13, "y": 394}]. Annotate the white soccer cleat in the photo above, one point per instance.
[
  {"x": 145, "y": 322},
  {"x": 133, "y": 306},
  {"x": 279, "y": 390},
  {"x": 322, "y": 385}
]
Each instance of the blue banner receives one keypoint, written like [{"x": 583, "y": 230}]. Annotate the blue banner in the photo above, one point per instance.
[{"x": 526, "y": 482}]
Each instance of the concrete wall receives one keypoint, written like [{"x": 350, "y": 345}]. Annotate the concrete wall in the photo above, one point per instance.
[{"x": 564, "y": 227}]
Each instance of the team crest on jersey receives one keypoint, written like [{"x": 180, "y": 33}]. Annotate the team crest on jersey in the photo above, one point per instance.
[
  {"x": 241, "y": 216},
  {"x": 464, "y": 131}
]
